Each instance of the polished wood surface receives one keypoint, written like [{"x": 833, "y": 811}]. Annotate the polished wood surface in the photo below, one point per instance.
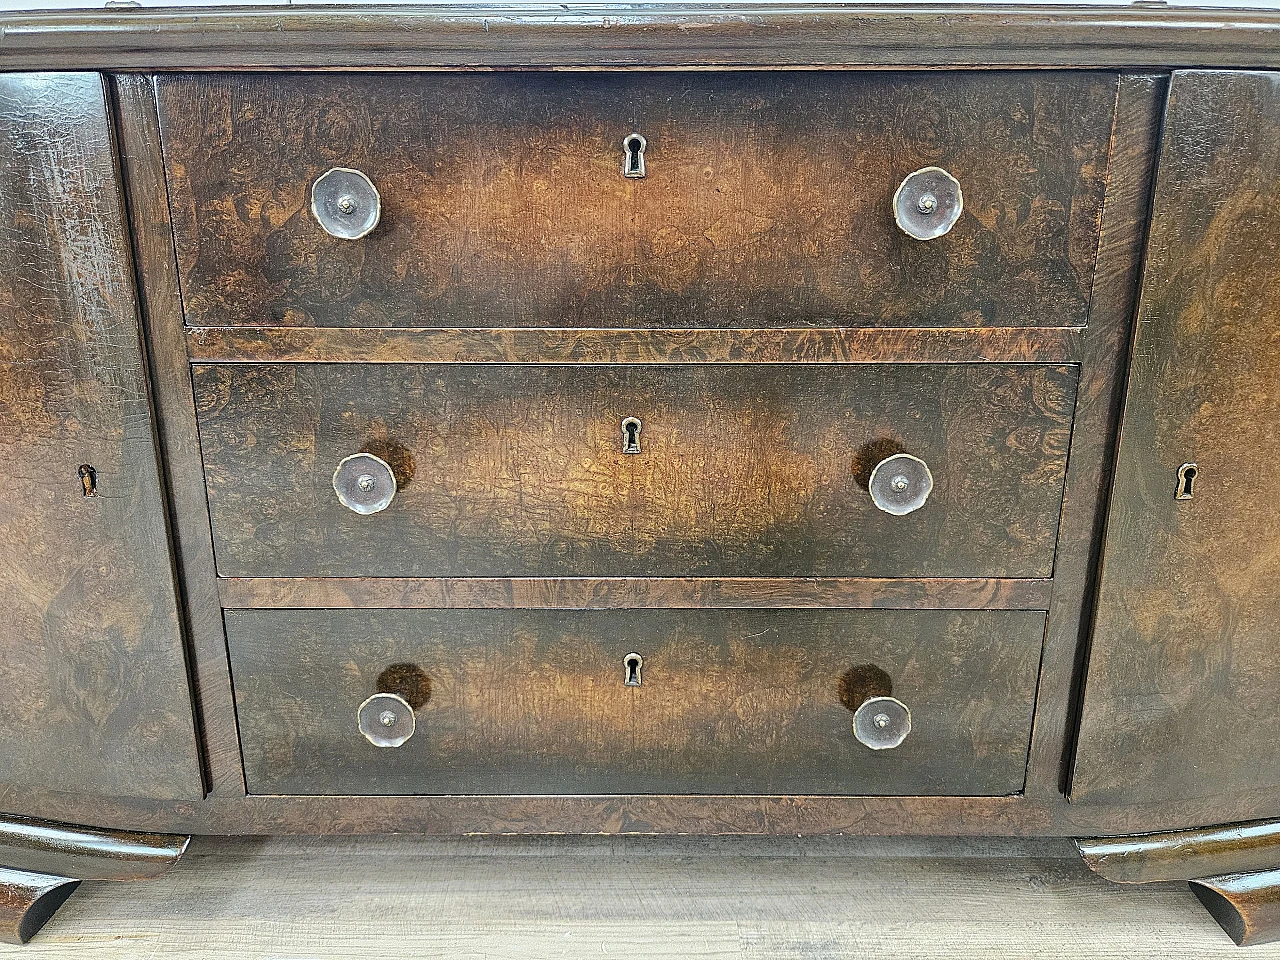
[
  {"x": 85, "y": 852},
  {"x": 1180, "y": 699},
  {"x": 645, "y": 35},
  {"x": 1185, "y": 854},
  {"x": 768, "y": 199},
  {"x": 752, "y": 702},
  {"x": 1246, "y": 905},
  {"x": 93, "y": 681},
  {"x": 743, "y": 470},
  {"x": 28, "y": 901}
]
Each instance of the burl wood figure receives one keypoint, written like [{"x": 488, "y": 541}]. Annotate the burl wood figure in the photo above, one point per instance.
[{"x": 641, "y": 449}]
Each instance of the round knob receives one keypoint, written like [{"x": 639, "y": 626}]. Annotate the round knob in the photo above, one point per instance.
[
  {"x": 386, "y": 720},
  {"x": 364, "y": 484},
  {"x": 346, "y": 203},
  {"x": 882, "y": 723},
  {"x": 928, "y": 203},
  {"x": 900, "y": 484}
]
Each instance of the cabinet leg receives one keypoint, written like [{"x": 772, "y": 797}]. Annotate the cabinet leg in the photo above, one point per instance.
[
  {"x": 28, "y": 900},
  {"x": 1246, "y": 905},
  {"x": 42, "y": 863},
  {"x": 1231, "y": 869}
]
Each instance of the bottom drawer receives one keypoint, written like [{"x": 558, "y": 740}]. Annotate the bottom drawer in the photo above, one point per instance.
[{"x": 547, "y": 701}]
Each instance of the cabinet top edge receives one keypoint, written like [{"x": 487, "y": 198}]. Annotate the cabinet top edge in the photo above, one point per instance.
[{"x": 641, "y": 36}]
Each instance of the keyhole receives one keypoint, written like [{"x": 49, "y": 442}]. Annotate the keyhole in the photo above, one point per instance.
[
  {"x": 631, "y": 435},
  {"x": 88, "y": 480},
  {"x": 1186, "y": 478},
  {"x": 633, "y": 161},
  {"x": 631, "y": 666}
]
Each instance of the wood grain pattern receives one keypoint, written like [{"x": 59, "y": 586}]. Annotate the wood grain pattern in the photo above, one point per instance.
[
  {"x": 1181, "y": 693},
  {"x": 586, "y": 345},
  {"x": 744, "y": 471},
  {"x": 93, "y": 683},
  {"x": 767, "y": 35},
  {"x": 596, "y": 593},
  {"x": 533, "y": 702},
  {"x": 142, "y": 177},
  {"x": 1103, "y": 364},
  {"x": 768, "y": 199}
]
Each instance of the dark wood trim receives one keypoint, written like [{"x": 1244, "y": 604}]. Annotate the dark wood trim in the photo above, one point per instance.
[
  {"x": 1233, "y": 870},
  {"x": 1246, "y": 905},
  {"x": 596, "y": 345},
  {"x": 86, "y": 853},
  {"x": 147, "y": 202},
  {"x": 28, "y": 901},
  {"x": 1185, "y": 854},
  {"x": 643, "y": 35},
  {"x": 604, "y": 593},
  {"x": 1112, "y": 306}
]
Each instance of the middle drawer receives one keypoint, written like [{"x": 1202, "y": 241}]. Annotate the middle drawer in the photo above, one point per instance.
[{"x": 647, "y": 470}]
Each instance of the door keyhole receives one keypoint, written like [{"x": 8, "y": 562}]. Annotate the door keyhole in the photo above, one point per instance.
[
  {"x": 631, "y": 435},
  {"x": 632, "y": 663},
  {"x": 1186, "y": 479},
  {"x": 633, "y": 159}
]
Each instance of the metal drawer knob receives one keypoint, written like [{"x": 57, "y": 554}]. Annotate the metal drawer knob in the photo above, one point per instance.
[
  {"x": 387, "y": 720},
  {"x": 364, "y": 484},
  {"x": 882, "y": 723},
  {"x": 900, "y": 484},
  {"x": 928, "y": 203},
  {"x": 346, "y": 203}
]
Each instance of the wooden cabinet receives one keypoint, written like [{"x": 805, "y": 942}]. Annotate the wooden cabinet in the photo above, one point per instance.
[
  {"x": 94, "y": 697},
  {"x": 1182, "y": 698}
]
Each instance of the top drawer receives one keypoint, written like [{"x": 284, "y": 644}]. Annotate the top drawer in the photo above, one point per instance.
[{"x": 767, "y": 198}]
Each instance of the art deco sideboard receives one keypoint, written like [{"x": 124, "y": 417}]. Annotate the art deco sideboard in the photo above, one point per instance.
[{"x": 703, "y": 420}]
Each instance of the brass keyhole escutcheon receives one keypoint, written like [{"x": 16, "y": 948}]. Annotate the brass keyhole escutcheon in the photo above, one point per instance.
[
  {"x": 632, "y": 665},
  {"x": 633, "y": 157},
  {"x": 631, "y": 427}
]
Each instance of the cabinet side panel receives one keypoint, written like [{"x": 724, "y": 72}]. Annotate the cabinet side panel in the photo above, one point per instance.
[
  {"x": 1181, "y": 698},
  {"x": 94, "y": 697}
]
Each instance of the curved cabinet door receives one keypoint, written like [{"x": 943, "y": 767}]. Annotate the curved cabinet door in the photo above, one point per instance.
[
  {"x": 1182, "y": 699},
  {"x": 94, "y": 697}
]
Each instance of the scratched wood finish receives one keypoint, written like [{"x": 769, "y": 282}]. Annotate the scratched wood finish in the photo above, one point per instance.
[
  {"x": 512, "y": 471},
  {"x": 1180, "y": 700},
  {"x": 93, "y": 684},
  {"x": 767, "y": 200},
  {"x": 731, "y": 701}
]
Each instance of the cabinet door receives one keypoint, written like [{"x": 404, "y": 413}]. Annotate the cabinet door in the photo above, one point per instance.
[
  {"x": 94, "y": 696},
  {"x": 1182, "y": 698}
]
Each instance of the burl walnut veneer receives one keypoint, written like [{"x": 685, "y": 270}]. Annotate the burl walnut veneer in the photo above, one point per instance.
[{"x": 669, "y": 444}]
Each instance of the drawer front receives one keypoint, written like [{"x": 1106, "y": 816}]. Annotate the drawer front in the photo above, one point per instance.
[
  {"x": 767, "y": 198},
  {"x": 733, "y": 702},
  {"x": 520, "y": 471}
]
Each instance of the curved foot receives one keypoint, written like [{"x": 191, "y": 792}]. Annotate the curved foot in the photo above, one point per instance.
[
  {"x": 44, "y": 862},
  {"x": 1231, "y": 869},
  {"x": 1246, "y": 905},
  {"x": 28, "y": 900}
]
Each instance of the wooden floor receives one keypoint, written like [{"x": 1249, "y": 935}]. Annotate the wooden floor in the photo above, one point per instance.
[{"x": 539, "y": 899}]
